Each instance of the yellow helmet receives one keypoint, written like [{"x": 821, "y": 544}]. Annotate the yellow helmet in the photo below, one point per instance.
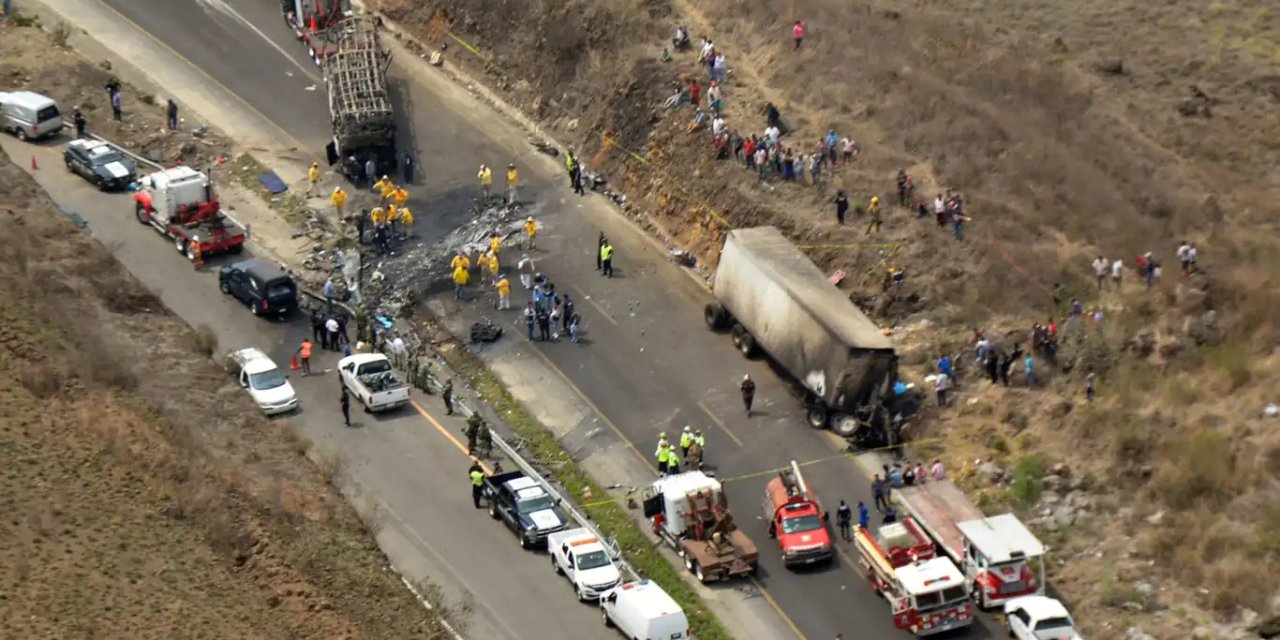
[{"x": 875, "y": 199}]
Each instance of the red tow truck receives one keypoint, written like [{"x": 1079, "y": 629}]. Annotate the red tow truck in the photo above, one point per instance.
[
  {"x": 311, "y": 21},
  {"x": 796, "y": 520},
  {"x": 179, "y": 203},
  {"x": 926, "y": 593},
  {"x": 1000, "y": 557}
]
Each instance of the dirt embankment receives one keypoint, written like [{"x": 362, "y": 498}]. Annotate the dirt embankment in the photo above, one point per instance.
[
  {"x": 146, "y": 496},
  {"x": 1072, "y": 130}
]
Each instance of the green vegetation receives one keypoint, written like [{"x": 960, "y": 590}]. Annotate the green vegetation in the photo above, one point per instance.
[
  {"x": 1028, "y": 480},
  {"x": 1200, "y": 469},
  {"x": 611, "y": 517}
]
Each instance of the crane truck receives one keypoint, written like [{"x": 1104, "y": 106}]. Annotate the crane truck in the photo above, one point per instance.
[
  {"x": 690, "y": 512},
  {"x": 773, "y": 298},
  {"x": 926, "y": 593},
  {"x": 180, "y": 204},
  {"x": 1001, "y": 558},
  {"x": 355, "y": 77},
  {"x": 796, "y": 520}
]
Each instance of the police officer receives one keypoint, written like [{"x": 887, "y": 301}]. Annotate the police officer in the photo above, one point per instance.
[
  {"x": 748, "y": 388},
  {"x": 686, "y": 439},
  {"x": 664, "y": 456},
  {"x": 477, "y": 482},
  {"x": 673, "y": 462},
  {"x": 486, "y": 441},
  {"x": 844, "y": 519},
  {"x": 446, "y": 394}
]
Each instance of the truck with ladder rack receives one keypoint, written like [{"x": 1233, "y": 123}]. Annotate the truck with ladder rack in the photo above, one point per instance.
[
  {"x": 690, "y": 512},
  {"x": 1001, "y": 558},
  {"x": 179, "y": 202},
  {"x": 360, "y": 111},
  {"x": 312, "y": 21},
  {"x": 796, "y": 520},
  {"x": 926, "y": 593}
]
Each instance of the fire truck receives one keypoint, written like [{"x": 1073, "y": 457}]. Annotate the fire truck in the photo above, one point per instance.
[
  {"x": 690, "y": 512},
  {"x": 796, "y": 520},
  {"x": 312, "y": 20},
  {"x": 1000, "y": 557},
  {"x": 179, "y": 203},
  {"x": 927, "y": 593}
]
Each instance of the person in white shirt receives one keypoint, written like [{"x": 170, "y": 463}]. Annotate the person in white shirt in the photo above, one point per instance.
[
  {"x": 717, "y": 126},
  {"x": 1191, "y": 259},
  {"x": 1183, "y": 250},
  {"x": 772, "y": 134},
  {"x": 1100, "y": 270},
  {"x": 707, "y": 48},
  {"x": 850, "y": 149},
  {"x": 1117, "y": 271},
  {"x": 936, "y": 471}
]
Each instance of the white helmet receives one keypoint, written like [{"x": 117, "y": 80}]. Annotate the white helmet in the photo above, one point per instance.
[{"x": 195, "y": 238}]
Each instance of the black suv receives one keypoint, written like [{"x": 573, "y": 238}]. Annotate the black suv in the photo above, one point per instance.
[
  {"x": 525, "y": 507},
  {"x": 99, "y": 163},
  {"x": 263, "y": 286}
]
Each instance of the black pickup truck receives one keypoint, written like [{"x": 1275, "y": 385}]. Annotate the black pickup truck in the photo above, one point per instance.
[{"x": 524, "y": 506}]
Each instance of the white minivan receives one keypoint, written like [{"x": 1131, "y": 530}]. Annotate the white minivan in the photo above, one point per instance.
[
  {"x": 30, "y": 116},
  {"x": 643, "y": 611}
]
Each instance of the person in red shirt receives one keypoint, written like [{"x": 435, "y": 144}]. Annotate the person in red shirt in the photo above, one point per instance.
[{"x": 695, "y": 92}]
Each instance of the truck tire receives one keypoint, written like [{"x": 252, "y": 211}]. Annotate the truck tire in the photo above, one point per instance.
[
  {"x": 697, "y": 572},
  {"x": 716, "y": 316},
  {"x": 736, "y": 334},
  {"x": 556, "y": 565},
  {"x": 493, "y": 507},
  {"x": 140, "y": 212},
  {"x": 180, "y": 243},
  {"x": 844, "y": 425},
  {"x": 604, "y": 617},
  {"x": 748, "y": 346},
  {"x": 816, "y": 415},
  {"x": 236, "y": 249}
]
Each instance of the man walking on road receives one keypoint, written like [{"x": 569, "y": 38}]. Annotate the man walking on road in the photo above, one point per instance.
[
  {"x": 460, "y": 279},
  {"x": 332, "y": 335},
  {"x": 567, "y": 314},
  {"x": 600, "y": 243},
  {"x": 531, "y": 233},
  {"x": 446, "y": 394},
  {"x": 472, "y": 431},
  {"x": 477, "y": 482},
  {"x": 485, "y": 176},
  {"x": 844, "y": 520},
  {"x": 504, "y": 292},
  {"x": 748, "y": 389},
  {"x": 304, "y": 356},
  {"x": 544, "y": 324},
  {"x": 525, "y": 267},
  {"x": 346, "y": 407},
  {"x": 513, "y": 178},
  {"x": 313, "y": 177},
  {"x": 171, "y": 110},
  {"x": 606, "y": 259},
  {"x": 880, "y": 491},
  {"x": 864, "y": 516}
]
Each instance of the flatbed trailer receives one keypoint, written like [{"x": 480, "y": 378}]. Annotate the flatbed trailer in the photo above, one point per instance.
[{"x": 939, "y": 507}]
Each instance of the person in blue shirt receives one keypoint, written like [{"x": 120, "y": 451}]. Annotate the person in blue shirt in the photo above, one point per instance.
[
  {"x": 944, "y": 367},
  {"x": 864, "y": 516},
  {"x": 1029, "y": 365}
]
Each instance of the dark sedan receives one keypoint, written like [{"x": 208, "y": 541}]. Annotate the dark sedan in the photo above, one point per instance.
[{"x": 100, "y": 163}]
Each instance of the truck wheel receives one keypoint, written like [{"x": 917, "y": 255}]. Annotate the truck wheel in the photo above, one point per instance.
[
  {"x": 224, "y": 287},
  {"x": 816, "y": 414},
  {"x": 493, "y": 507},
  {"x": 748, "y": 346},
  {"x": 844, "y": 425},
  {"x": 556, "y": 565},
  {"x": 604, "y": 617},
  {"x": 140, "y": 212},
  {"x": 22, "y": 134},
  {"x": 715, "y": 315},
  {"x": 697, "y": 572},
  {"x": 235, "y": 249},
  {"x": 736, "y": 334},
  {"x": 180, "y": 243},
  {"x": 688, "y": 562}
]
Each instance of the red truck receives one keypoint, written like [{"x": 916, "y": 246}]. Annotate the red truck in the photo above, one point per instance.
[
  {"x": 1000, "y": 558},
  {"x": 796, "y": 520},
  {"x": 312, "y": 20},
  {"x": 926, "y": 593},
  {"x": 179, "y": 203}
]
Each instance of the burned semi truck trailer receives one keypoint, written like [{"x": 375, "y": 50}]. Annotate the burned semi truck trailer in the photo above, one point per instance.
[
  {"x": 771, "y": 297},
  {"x": 355, "y": 75}
]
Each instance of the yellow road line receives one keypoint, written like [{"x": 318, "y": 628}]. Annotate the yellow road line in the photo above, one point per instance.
[
  {"x": 764, "y": 593},
  {"x": 607, "y": 316},
  {"x": 449, "y": 436},
  {"x": 213, "y": 81},
  {"x": 716, "y": 421}
]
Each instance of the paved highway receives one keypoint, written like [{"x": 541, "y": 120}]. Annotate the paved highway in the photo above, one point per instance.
[{"x": 651, "y": 364}]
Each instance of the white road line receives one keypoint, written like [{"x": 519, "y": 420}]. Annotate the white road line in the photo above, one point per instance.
[{"x": 221, "y": 6}]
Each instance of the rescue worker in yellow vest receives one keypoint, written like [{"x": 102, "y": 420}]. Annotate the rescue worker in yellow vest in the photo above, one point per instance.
[
  {"x": 483, "y": 262},
  {"x": 384, "y": 187},
  {"x": 491, "y": 261},
  {"x": 313, "y": 177},
  {"x": 406, "y": 221},
  {"x": 477, "y": 483},
  {"x": 460, "y": 260},
  {"x": 673, "y": 462},
  {"x": 699, "y": 443},
  {"x": 495, "y": 243},
  {"x": 460, "y": 279},
  {"x": 197, "y": 256},
  {"x": 664, "y": 456},
  {"x": 378, "y": 216},
  {"x": 873, "y": 213},
  {"x": 531, "y": 232},
  {"x": 686, "y": 439},
  {"x": 504, "y": 292},
  {"x": 606, "y": 259},
  {"x": 575, "y": 172},
  {"x": 485, "y": 175},
  {"x": 400, "y": 196},
  {"x": 513, "y": 177},
  {"x": 393, "y": 216},
  {"x": 339, "y": 200}
]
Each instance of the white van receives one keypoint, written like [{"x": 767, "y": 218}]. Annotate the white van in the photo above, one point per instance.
[
  {"x": 30, "y": 116},
  {"x": 643, "y": 611}
]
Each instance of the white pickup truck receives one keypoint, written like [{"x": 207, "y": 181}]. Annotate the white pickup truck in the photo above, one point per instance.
[
  {"x": 372, "y": 380},
  {"x": 260, "y": 376},
  {"x": 583, "y": 558}
]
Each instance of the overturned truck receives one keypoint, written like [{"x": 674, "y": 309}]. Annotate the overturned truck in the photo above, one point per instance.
[
  {"x": 355, "y": 76},
  {"x": 773, "y": 298}
]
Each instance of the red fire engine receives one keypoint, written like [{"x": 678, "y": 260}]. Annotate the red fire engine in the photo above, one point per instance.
[
  {"x": 796, "y": 519},
  {"x": 926, "y": 593}
]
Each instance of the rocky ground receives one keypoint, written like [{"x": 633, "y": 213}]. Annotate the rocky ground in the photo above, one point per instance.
[
  {"x": 145, "y": 496},
  {"x": 1072, "y": 130}
]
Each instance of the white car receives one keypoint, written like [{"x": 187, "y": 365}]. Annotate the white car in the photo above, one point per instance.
[
  {"x": 581, "y": 557},
  {"x": 264, "y": 381},
  {"x": 1039, "y": 618}
]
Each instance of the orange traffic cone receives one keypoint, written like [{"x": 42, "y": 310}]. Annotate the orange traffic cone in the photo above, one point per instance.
[
  {"x": 34, "y": 165},
  {"x": 293, "y": 362}
]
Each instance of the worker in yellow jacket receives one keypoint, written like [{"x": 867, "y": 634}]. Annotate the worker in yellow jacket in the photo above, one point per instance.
[
  {"x": 313, "y": 177},
  {"x": 339, "y": 200},
  {"x": 491, "y": 261},
  {"x": 531, "y": 232},
  {"x": 393, "y": 216},
  {"x": 460, "y": 279},
  {"x": 513, "y": 177},
  {"x": 384, "y": 187},
  {"x": 485, "y": 176},
  {"x": 378, "y": 216},
  {"x": 460, "y": 260},
  {"x": 400, "y": 196},
  {"x": 504, "y": 292},
  {"x": 406, "y": 221},
  {"x": 495, "y": 243}
]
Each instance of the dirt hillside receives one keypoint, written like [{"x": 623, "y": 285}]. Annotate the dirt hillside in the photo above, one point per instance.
[
  {"x": 145, "y": 497},
  {"x": 1071, "y": 130}
]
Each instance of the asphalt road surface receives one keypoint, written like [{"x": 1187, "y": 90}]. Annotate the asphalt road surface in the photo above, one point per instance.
[
  {"x": 410, "y": 460},
  {"x": 651, "y": 364}
]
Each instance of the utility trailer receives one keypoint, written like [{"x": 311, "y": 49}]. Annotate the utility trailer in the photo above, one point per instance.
[
  {"x": 1001, "y": 558},
  {"x": 312, "y": 20},
  {"x": 772, "y": 297},
  {"x": 690, "y": 512},
  {"x": 179, "y": 202},
  {"x": 355, "y": 76}
]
